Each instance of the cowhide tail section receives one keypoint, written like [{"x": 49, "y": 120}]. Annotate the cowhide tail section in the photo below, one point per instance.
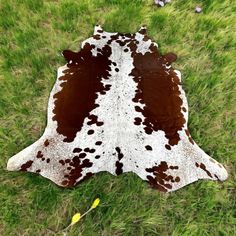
[{"x": 118, "y": 106}]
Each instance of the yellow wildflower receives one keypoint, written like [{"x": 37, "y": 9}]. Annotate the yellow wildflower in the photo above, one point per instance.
[
  {"x": 75, "y": 218},
  {"x": 95, "y": 203}
]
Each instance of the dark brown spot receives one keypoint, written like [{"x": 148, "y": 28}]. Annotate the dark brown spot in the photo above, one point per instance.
[
  {"x": 116, "y": 69},
  {"x": 39, "y": 154},
  {"x": 82, "y": 155},
  {"x": 107, "y": 87},
  {"x": 138, "y": 109},
  {"x": 137, "y": 121},
  {"x": 177, "y": 179},
  {"x": 25, "y": 166},
  {"x": 48, "y": 160},
  {"x": 77, "y": 150},
  {"x": 189, "y": 136},
  {"x": 119, "y": 164},
  {"x": 100, "y": 123},
  {"x": 62, "y": 162},
  {"x": 120, "y": 154},
  {"x": 97, "y": 156},
  {"x": 98, "y": 143},
  {"x": 92, "y": 150},
  {"x": 148, "y": 130},
  {"x": 168, "y": 147},
  {"x": 91, "y": 131},
  {"x": 173, "y": 167},
  {"x": 97, "y": 36},
  {"x": 148, "y": 147},
  {"x": 46, "y": 143},
  {"x": 217, "y": 177},
  {"x": 191, "y": 141},
  {"x": 203, "y": 167},
  {"x": 119, "y": 169}
]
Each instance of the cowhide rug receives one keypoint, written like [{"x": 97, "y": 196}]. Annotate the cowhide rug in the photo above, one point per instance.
[{"x": 118, "y": 106}]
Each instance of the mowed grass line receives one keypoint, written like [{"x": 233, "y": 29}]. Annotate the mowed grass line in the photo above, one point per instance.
[{"x": 33, "y": 33}]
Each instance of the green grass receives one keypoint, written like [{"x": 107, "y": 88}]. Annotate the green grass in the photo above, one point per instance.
[{"x": 33, "y": 33}]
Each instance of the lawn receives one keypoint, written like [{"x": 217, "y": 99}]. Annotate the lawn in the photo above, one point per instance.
[{"x": 32, "y": 35}]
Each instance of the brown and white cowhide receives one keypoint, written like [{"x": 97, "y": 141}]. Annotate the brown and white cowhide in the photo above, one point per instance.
[{"x": 118, "y": 106}]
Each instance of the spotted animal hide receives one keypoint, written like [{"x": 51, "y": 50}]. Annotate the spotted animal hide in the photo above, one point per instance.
[{"x": 118, "y": 106}]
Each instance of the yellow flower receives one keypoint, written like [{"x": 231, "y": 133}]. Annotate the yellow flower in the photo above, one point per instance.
[
  {"x": 75, "y": 218},
  {"x": 95, "y": 203}
]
